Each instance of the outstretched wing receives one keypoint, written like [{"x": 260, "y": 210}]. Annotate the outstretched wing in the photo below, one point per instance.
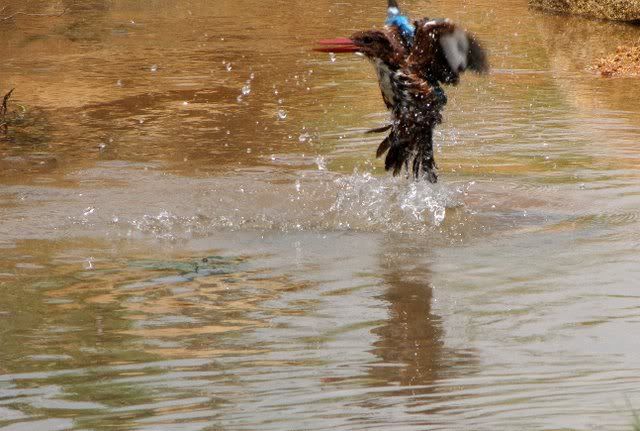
[{"x": 441, "y": 51}]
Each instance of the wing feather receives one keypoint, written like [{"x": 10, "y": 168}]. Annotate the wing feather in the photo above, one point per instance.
[{"x": 442, "y": 51}]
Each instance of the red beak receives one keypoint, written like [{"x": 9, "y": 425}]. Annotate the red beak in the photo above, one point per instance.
[{"x": 341, "y": 44}]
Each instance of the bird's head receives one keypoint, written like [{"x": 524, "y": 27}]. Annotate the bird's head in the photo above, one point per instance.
[{"x": 373, "y": 44}]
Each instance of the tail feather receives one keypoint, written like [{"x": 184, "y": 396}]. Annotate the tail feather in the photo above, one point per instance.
[
  {"x": 425, "y": 165},
  {"x": 397, "y": 157},
  {"x": 383, "y": 147},
  {"x": 413, "y": 152}
]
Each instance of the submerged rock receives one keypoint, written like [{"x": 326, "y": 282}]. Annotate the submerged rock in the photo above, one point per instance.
[{"x": 620, "y": 10}]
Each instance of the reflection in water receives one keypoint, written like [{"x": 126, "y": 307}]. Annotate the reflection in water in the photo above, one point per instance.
[
  {"x": 411, "y": 351},
  {"x": 412, "y": 338}
]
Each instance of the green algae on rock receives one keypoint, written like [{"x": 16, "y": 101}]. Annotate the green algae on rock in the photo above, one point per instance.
[{"x": 619, "y": 10}]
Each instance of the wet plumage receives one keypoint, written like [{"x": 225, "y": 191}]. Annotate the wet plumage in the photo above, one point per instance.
[
  {"x": 412, "y": 62},
  {"x": 401, "y": 23}
]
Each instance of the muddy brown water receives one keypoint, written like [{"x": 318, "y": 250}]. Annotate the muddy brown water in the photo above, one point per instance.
[{"x": 195, "y": 234}]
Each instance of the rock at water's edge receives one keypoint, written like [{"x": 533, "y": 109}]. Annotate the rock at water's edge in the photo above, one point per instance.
[
  {"x": 624, "y": 62},
  {"x": 620, "y": 10}
]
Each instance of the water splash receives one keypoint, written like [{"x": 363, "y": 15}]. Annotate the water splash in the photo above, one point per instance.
[
  {"x": 393, "y": 202},
  {"x": 318, "y": 200},
  {"x": 246, "y": 88},
  {"x": 321, "y": 163},
  {"x": 304, "y": 137}
]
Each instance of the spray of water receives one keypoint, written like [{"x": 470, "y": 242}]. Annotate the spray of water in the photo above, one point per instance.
[{"x": 318, "y": 200}]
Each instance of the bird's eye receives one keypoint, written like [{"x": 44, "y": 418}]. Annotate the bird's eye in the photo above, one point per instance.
[{"x": 367, "y": 40}]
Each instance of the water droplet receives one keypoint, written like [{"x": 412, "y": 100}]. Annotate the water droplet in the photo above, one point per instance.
[
  {"x": 119, "y": 83},
  {"x": 88, "y": 211},
  {"x": 298, "y": 185},
  {"x": 332, "y": 57},
  {"x": 321, "y": 163},
  {"x": 88, "y": 263},
  {"x": 246, "y": 90},
  {"x": 185, "y": 103},
  {"x": 304, "y": 137},
  {"x": 229, "y": 67},
  {"x": 248, "y": 150},
  {"x": 154, "y": 68},
  {"x": 282, "y": 114}
]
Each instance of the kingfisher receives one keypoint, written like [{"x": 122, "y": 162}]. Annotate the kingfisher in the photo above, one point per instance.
[{"x": 412, "y": 60}]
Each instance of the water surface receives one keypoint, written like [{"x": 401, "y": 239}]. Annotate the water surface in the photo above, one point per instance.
[{"x": 196, "y": 235}]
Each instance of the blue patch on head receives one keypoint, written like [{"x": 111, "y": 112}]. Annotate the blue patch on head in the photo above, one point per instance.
[{"x": 394, "y": 19}]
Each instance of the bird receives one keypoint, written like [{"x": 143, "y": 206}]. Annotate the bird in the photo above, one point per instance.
[{"x": 412, "y": 60}]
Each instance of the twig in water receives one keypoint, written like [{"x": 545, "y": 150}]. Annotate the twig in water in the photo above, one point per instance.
[
  {"x": 5, "y": 100},
  {"x": 4, "y": 109}
]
